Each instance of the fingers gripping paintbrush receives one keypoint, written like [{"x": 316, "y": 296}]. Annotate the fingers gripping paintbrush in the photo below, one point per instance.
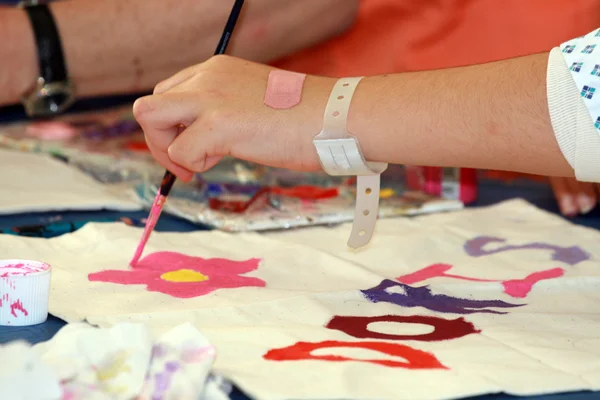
[{"x": 169, "y": 179}]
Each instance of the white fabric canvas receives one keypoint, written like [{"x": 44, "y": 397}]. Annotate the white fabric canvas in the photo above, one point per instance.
[
  {"x": 36, "y": 183},
  {"x": 444, "y": 306}
]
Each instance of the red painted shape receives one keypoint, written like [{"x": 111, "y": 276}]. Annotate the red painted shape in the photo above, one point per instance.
[
  {"x": 443, "y": 329},
  {"x": 415, "y": 359},
  {"x": 306, "y": 192},
  {"x": 17, "y": 305},
  {"x": 137, "y": 146}
]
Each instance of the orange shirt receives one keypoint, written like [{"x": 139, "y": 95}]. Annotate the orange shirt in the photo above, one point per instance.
[{"x": 409, "y": 35}]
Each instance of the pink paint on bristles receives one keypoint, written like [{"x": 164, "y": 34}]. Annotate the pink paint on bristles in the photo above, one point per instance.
[{"x": 155, "y": 211}]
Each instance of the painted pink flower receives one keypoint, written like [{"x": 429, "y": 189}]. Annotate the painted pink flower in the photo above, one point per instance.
[{"x": 183, "y": 276}]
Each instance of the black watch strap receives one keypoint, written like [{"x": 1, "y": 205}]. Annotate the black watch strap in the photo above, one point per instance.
[{"x": 50, "y": 53}]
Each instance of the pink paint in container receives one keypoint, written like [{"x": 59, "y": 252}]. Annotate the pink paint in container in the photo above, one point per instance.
[{"x": 24, "y": 292}]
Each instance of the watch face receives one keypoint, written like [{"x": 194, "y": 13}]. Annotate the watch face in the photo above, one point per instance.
[
  {"x": 54, "y": 103},
  {"x": 49, "y": 99}
]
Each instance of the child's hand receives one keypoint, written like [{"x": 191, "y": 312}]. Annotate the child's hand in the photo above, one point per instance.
[
  {"x": 574, "y": 197},
  {"x": 217, "y": 108}
]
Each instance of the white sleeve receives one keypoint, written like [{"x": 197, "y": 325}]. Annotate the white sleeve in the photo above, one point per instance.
[{"x": 573, "y": 79}]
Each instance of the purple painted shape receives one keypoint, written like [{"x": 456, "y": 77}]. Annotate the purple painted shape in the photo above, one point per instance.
[
  {"x": 570, "y": 255},
  {"x": 158, "y": 351},
  {"x": 162, "y": 380},
  {"x": 422, "y": 297},
  {"x": 172, "y": 366}
]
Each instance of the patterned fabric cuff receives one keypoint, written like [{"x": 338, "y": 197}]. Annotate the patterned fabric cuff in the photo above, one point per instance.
[{"x": 572, "y": 82}]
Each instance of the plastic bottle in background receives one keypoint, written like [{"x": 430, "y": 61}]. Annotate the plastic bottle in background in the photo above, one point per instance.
[{"x": 449, "y": 183}]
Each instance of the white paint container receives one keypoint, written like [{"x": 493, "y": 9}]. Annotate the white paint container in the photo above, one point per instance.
[{"x": 24, "y": 292}]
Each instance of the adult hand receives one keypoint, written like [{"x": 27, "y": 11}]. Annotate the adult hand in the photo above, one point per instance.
[
  {"x": 575, "y": 197},
  {"x": 217, "y": 108}
]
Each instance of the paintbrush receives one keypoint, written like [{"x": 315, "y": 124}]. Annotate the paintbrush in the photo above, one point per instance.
[{"x": 169, "y": 178}]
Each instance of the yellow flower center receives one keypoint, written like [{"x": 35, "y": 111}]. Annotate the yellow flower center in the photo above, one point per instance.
[{"x": 183, "y": 275}]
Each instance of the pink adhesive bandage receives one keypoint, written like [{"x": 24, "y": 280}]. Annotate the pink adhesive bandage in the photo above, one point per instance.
[{"x": 284, "y": 89}]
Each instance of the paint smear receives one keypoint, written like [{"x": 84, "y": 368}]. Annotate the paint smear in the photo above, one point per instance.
[
  {"x": 196, "y": 355},
  {"x": 183, "y": 276},
  {"x": 18, "y": 306},
  {"x": 162, "y": 380},
  {"x": 521, "y": 287},
  {"x": 51, "y": 130},
  {"x": 434, "y": 271},
  {"x": 443, "y": 329},
  {"x": 414, "y": 359},
  {"x": 284, "y": 89},
  {"x": 422, "y": 297},
  {"x": 114, "y": 366},
  {"x": 518, "y": 288},
  {"x": 570, "y": 255},
  {"x": 155, "y": 212}
]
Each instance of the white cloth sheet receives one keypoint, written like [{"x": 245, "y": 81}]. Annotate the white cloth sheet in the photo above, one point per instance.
[
  {"x": 444, "y": 306},
  {"x": 32, "y": 182}
]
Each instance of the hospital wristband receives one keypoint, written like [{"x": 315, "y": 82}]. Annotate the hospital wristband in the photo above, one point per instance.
[{"x": 340, "y": 155}]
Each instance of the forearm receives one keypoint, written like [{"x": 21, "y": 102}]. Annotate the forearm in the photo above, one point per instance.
[
  {"x": 18, "y": 65},
  {"x": 116, "y": 46},
  {"x": 490, "y": 116}
]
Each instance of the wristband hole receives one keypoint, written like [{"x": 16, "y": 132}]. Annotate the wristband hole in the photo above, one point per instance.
[
  {"x": 346, "y": 84},
  {"x": 368, "y": 190},
  {"x": 361, "y": 233},
  {"x": 340, "y": 97},
  {"x": 336, "y": 113},
  {"x": 366, "y": 212}
]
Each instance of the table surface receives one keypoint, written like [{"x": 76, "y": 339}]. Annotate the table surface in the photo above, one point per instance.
[{"x": 490, "y": 193}]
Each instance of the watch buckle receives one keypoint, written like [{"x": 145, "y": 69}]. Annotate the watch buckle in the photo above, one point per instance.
[{"x": 37, "y": 101}]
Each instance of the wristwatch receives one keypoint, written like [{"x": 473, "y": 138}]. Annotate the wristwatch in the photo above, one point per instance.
[{"x": 53, "y": 92}]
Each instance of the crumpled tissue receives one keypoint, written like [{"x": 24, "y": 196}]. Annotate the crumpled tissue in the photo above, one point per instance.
[{"x": 120, "y": 363}]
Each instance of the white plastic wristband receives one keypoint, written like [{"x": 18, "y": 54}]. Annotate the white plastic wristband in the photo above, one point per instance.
[{"x": 340, "y": 154}]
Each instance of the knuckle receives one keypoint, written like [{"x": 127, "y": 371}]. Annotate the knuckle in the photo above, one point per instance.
[
  {"x": 197, "y": 165},
  {"x": 218, "y": 62},
  {"x": 199, "y": 78},
  {"x": 142, "y": 107},
  {"x": 215, "y": 120},
  {"x": 211, "y": 119},
  {"x": 160, "y": 87},
  {"x": 220, "y": 59},
  {"x": 194, "y": 69},
  {"x": 176, "y": 153},
  {"x": 185, "y": 157}
]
